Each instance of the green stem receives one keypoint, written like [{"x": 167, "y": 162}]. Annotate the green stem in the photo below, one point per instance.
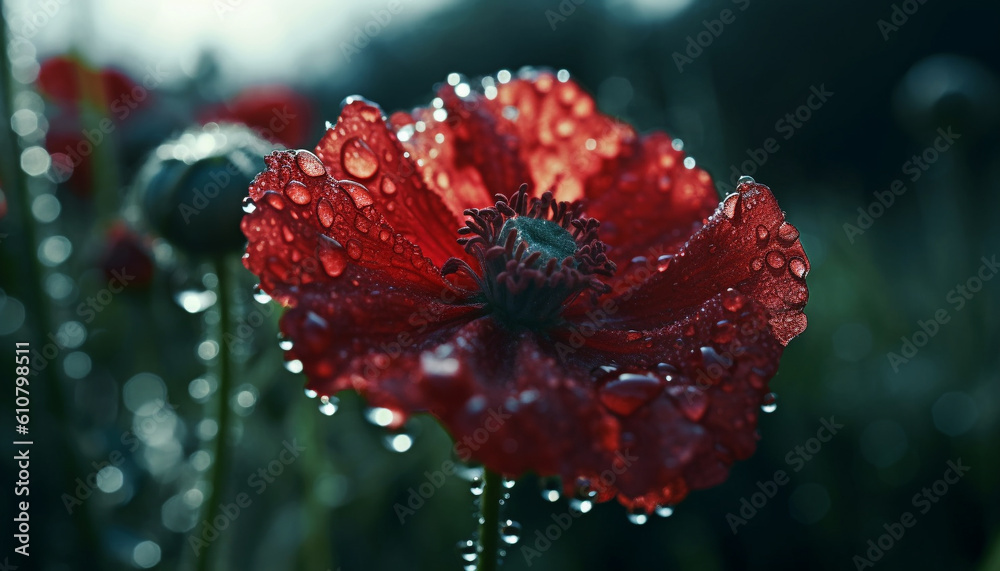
[
  {"x": 220, "y": 464},
  {"x": 489, "y": 530}
]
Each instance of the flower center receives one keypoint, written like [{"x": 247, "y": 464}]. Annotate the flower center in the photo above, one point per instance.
[{"x": 535, "y": 257}]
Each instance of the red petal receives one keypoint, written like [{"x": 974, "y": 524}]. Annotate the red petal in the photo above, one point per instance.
[
  {"x": 278, "y": 113},
  {"x": 361, "y": 147},
  {"x": 746, "y": 245},
  {"x": 309, "y": 228}
]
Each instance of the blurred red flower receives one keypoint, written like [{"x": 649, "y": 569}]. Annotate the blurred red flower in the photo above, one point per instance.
[
  {"x": 277, "y": 113},
  {"x": 629, "y": 356}
]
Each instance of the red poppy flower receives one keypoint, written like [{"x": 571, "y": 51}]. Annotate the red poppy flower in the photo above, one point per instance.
[
  {"x": 567, "y": 297},
  {"x": 277, "y": 113},
  {"x": 64, "y": 78}
]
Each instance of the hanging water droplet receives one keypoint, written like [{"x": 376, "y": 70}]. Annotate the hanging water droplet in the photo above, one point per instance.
[
  {"x": 508, "y": 483},
  {"x": 551, "y": 488},
  {"x": 249, "y": 205},
  {"x": 476, "y": 485},
  {"x": 770, "y": 403},
  {"x": 398, "y": 442},
  {"x": 580, "y": 506},
  {"x": 311, "y": 393},
  {"x": 744, "y": 180},
  {"x": 629, "y": 391},
  {"x": 358, "y": 158},
  {"x": 638, "y": 516},
  {"x": 294, "y": 366},
  {"x": 329, "y": 405},
  {"x": 787, "y": 233},
  {"x": 260, "y": 296},
  {"x": 468, "y": 550},
  {"x": 380, "y": 416},
  {"x": 331, "y": 256},
  {"x": 798, "y": 267},
  {"x": 510, "y": 533},
  {"x": 584, "y": 490},
  {"x": 196, "y": 301},
  {"x": 664, "y": 511},
  {"x": 663, "y": 262},
  {"x": 284, "y": 343}
]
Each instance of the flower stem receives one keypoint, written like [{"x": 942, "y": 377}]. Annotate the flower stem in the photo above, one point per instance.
[
  {"x": 220, "y": 464},
  {"x": 489, "y": 529}
]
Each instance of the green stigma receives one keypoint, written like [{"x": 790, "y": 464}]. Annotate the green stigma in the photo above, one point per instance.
[{"x": 546, "y": 237}]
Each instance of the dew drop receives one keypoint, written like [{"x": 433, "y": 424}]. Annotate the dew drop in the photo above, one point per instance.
[
  {"x": 310, "y": 163},
  {"x": 274, "y": 200},
  {"x": 692, "y": 401},
  {"x": 762, "y": 233},
  {"x": 787, "y": 233},
  {"x": 329, "y": 405},
  {"x": 551, "y": 488},
  {"x": 467, "y": 550},
  {"x": 664, "y": 511},
  {"x": 331, "y": 256},
  {"x": 298, "y": 192},
  {"x": 354, "y": 249},
  {"x": 358, "y": 158},
  {"x": 744, "y": 180},
  {"x": 663, "y": 262},
  {"x": 638, "y": 516},
  {"x": 510, "y": 533},
  {"x": 324, "y": 212},
  {"x": 770, "y": 403},
  {"x": 476, "y": 485},
  {"x": 260, "y": 296},
  {"x": 311, "y": 394},
  {"x": 757, "y": 264},
  {"x": 732, "y": 300},
  {"x": 398, "y": 442},
  {"x": 730, "y": 207},
  {"x": 629, "y": 391},
  {"x": 580, "y": 506},
  {"x": 508, "y": 483},
  {"x": 775, "y": 259},
  {"x": 388, "y": 187},
  {"x": 249, "y": 205},
  {"x": 798, "y": 267},
  {"x": 284, "y": 343},
  {"x": 358, "y": 193}
]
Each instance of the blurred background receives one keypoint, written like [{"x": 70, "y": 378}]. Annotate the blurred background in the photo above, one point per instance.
[{"x": 827, "y": 103}]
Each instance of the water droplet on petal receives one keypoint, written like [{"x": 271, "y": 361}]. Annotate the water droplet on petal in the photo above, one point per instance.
[
  {"x": 770, "y": 403},
  {"x": 274, "y": 200},
  {"x": 331, "y": 256},
  {"x": 730, "y": 205},
  {"x": 354, "y": 249},
  {"x": 476, "y": 485},
  {"x": 324, "y": 211},
  {"x": 310, "y": 163},
  {"x": 329, "y": 405},
  {"x": 467, "y": 550},
  {"x": 798, "y": 267},
  {"x": 510, "y": 533},
  {"x": 757, "y": 264},
  {"x": 744, "y": 180},
  {"x": 762, "y": 233},
  {"x": 663, "y": 262},
  {"x": 358, "y": 193},
  {"x": 388, "y": 187},
  {"x": 664, "y": 511},
  {"x": 692, "y": 401},
  {"x": 629, "y": 391},
  {"x": 249, "y": 205},
  {"x": 775, "y": 259},
  {"x": 787, "y": 233},
  {"x": 358, "y": 158},
  {"x": 638, "y": 516},
  {"x": 284, "y": 343},
  {"x": 732, "y": 300},
  {"x": 298, "y": 192}
]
